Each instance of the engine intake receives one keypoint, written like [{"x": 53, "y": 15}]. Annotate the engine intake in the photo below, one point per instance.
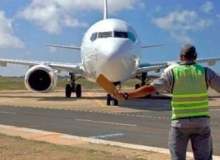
[{"x": 41, "y": 78}]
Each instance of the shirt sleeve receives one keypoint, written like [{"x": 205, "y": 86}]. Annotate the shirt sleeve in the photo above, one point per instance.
[
  {"x": 213, "y": 80},
  {"x": 164, "y": 83}
]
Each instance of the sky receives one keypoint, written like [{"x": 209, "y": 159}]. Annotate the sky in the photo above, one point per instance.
[{"x": 26, "y": 26}]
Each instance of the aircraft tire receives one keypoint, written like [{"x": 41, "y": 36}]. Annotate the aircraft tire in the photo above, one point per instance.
[
  {"x": 78, "y": 91},
  {"x": 115, "y": 102},
  {"x": 68, "y": 91},
  {"x": 108, "y": 99}
]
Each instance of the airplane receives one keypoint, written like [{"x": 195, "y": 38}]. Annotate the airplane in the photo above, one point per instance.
[{"x": 110, "y": 47}]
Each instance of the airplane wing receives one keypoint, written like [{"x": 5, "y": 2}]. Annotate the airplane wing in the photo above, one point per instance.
[
  {"x": 65, "y": 47},
  {"x": 151, "y": 46},
  {"x": 72, "y": 68},
  {"x": 147, "y": 67}
]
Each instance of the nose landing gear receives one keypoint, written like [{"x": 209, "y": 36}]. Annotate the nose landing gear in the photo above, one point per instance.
[{"x": 111, "y": 100}]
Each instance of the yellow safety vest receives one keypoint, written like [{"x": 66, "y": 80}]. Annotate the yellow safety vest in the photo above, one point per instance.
[{"x": 190, "y": 97}]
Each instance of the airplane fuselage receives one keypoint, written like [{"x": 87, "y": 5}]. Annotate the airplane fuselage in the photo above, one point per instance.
[{"x": 111, "y": 47}]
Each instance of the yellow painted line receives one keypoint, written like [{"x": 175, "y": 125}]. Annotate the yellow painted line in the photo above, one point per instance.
[
  {"x": 46, "y": 135},
  {"x": 97, "y": 101}
]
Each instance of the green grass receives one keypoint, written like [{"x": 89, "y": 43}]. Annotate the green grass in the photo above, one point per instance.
[{"x": 17, "y": 83}]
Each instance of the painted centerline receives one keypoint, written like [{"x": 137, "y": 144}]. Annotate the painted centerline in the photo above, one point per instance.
[
  {"x": 3, "y": 112},
  {"x": 103, "y": 122}
]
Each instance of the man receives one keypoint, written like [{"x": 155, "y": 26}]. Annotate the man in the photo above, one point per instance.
[{"x": 188, "y": 83}]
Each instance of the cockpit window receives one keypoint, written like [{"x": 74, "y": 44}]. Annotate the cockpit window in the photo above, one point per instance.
[
  {"x": 94, "y": 37},
  {"x": 120, "y": 34},
  {"x": 116, "y": 34},
  {"x": 125, "y": 35},
  {"x": 131, "y": 37},
  {"x": 104, "y": 34}
]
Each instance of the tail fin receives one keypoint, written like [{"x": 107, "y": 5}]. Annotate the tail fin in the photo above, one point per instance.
[{"x": 105, "y": 9}]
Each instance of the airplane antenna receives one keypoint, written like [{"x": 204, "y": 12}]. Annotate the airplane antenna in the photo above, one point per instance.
[{"x": 105, "y": 9}]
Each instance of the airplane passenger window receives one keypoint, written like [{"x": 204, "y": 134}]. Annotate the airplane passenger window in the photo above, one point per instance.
[
  {"x": 120, "y": 34},
  {"x": 105, "y": 34},
  {"x": 93, "y": 37}
]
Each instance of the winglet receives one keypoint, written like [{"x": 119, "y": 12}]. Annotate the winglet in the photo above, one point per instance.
[{"x": 105, "y": 9}]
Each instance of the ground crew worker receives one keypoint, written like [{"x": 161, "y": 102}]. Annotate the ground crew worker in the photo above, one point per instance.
[{"x": 188, "y": 83}]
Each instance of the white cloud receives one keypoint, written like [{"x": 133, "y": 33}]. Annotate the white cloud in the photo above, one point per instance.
[
  {"x": 180, "y": 23},
  {"x": 7, "y": 39},
  {"x": 207, "y": 7},
  {"x": 71, "y": 22},
  {"x": 52, "y": 15},
  {"x": 181, "y": 37}
]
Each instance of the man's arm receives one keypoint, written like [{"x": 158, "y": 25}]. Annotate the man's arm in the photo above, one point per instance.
[
  {"x": 141, "y": 92},
  {"x": 163, "y": 83},
  {"x": 213, "y": 80}
]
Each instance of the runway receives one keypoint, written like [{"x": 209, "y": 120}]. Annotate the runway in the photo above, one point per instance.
[{"x": 142, "y": 121}]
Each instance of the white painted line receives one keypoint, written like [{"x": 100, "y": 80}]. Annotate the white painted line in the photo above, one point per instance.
[
  {"x": 113, "y": 123},
  {"x": 3, "y": 112},
  {"x": 108, "y": 136},
  {"x": 95, "y": 141}
]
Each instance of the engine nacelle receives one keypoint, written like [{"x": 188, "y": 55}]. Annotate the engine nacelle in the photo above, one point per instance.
[{"x": 41, "y": 78}]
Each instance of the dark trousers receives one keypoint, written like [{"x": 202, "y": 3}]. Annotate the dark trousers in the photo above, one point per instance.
[{"x": 200, "y": 139}]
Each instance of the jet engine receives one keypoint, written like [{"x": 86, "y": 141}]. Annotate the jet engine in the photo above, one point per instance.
[{"x": 41, "y": 78}]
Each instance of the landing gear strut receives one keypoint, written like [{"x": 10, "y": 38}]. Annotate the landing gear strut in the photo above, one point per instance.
[{"x": 73, "y": 87}]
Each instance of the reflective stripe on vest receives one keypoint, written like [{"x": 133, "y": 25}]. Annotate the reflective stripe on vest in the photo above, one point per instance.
[{"x": 190, "y": 97}]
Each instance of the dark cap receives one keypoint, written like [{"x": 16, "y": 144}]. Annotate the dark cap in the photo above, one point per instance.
[{"x": 188, "y": 51}]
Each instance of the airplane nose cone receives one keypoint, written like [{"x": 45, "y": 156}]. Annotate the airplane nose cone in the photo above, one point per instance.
[
  {"x": 115, "y": 49},
  {"x": 116, "y": 60}
]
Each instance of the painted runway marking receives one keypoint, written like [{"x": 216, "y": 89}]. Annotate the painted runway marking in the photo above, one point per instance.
[
  {"x": 101, "y": 112},
  {"x": 112, "y": 123},
  {"x": 3, "y": 112},
  {"x": 97, "y": 101},
  {"x": 108, "y": 136}
]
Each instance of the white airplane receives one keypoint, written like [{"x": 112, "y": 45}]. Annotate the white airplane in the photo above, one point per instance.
[{"x": 110, "y": 47}]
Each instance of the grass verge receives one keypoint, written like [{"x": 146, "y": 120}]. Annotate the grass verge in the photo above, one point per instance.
[
  {"x": 16, "y": 148},
  {"x": 17, "y": 83}
]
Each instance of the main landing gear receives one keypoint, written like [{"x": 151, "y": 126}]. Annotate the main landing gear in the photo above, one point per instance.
[
  {"x": 143, "y": 79},
  {"x": 73, "y": 87}
]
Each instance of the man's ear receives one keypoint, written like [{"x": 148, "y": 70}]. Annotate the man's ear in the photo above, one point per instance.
[
  {"x": 195, "y": 56},
  {"x": 182, "y": 58}
]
